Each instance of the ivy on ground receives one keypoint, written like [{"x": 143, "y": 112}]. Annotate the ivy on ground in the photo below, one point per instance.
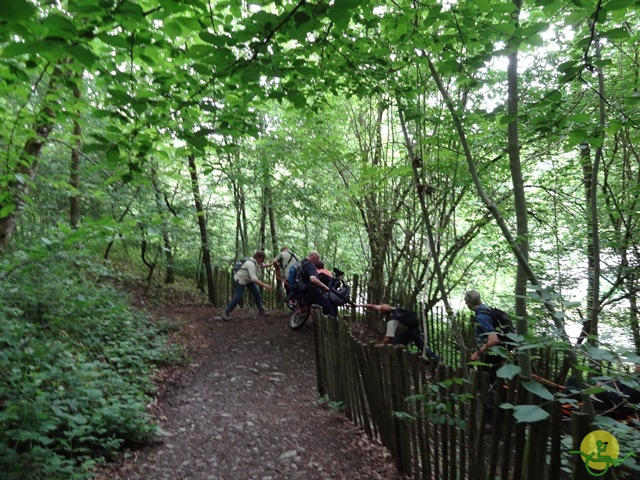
[{"x": 76, "y": 367}]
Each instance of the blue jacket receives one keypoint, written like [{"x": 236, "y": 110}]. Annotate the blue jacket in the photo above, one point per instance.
[{"x": 484, "y": 327}]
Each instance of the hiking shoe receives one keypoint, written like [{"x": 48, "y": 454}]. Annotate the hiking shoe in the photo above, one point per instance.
[
  {"x": 263, "y": 313},
  {"x": 225, "y": 316}
]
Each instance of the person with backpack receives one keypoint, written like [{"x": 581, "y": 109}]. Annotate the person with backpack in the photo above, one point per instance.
[
  {"x": 403, "y": 328},
  {"x": 247, "y": 277},
  {"x": 283, "y": 263},
  {"x": 487, "y": 336},
  {"x": 313, "y": 290}
]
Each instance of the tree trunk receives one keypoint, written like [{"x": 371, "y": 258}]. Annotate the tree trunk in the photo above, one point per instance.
[
  {"x": 631, "y": 282},
  {"x": 170, "y": 274},
  {"x": 519, "y": 196},
  {"x": 377, "y": 208},
  {"x": 74, "y": 175},
  {"x": 202, "y": 223},
  {"x": 503, "y": 226},
  {"x": 594, "y": 256},
  {"x": 422, "y": 192}
]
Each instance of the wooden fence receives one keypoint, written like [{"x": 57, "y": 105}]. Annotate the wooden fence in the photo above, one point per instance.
[{"x": 432, "y": 419}]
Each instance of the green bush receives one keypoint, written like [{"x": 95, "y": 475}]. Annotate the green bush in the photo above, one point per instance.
[{"x": 76, "y": 368}]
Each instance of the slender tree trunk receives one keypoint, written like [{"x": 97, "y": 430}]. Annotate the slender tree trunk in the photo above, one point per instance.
[
  {"x": 631, "y": 284},
  {"x": 519, "y": 196},
  {"x": 170, "y": 274},
  {"x": 202, "y": 223},
  {"x": 242, "y": 243},
  {"x": 378, "y": 218},
  {"x": 594, "y": 257},
  {"x": 74, "y": 176},
  {"x": 241, "y": 240},
  {"x": 422, "y": 191},
  {"x": 170, "y": 271},
  {"x": 502, "y": 224},
  {"x": 124, "y": 213},
  {"x": 587, "y": 178}
]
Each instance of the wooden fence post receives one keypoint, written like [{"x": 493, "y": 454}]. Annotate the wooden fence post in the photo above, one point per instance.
[
  {"x": 321, "y": 354},
  {"x": 580, "y": 427}
]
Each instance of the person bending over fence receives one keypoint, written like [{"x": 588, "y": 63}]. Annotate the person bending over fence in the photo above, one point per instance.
[{"x": 403, "y": 328}]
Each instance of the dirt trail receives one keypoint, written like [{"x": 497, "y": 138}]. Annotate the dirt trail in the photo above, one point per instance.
[{"x": 246, "y": 407}]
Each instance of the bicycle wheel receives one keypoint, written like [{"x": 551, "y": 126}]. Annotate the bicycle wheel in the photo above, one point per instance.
[{"x": 299, "y": 316}]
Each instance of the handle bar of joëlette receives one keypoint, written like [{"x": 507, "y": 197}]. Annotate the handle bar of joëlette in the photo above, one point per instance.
[
  {"x": 351, "y": 304},
  {"x": 330, "y": 289}
]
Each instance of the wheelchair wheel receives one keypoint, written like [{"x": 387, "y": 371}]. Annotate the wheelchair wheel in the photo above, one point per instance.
[{"x": 299, "y": 316}]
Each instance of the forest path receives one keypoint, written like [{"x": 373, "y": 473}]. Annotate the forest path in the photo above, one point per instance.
[{"x": 246, "y": 407}]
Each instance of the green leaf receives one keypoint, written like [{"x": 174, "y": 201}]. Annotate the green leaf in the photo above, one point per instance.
[
  {"x": 620, "y": 5},
  {"x": 529, "y": 414},
  {"x": 84, "y": 55},
  {"x": 6, "y": 210},
  {"x": 301, "y": 17},
  {"x": 484, "y": 5},
  {"x": 616, "y": 34},
  {"x": 173, "y": 29},
  {"x": 16, "y": 49},
  {"x": 59, "y": 26},
  {"x": 341, "y": 14},
  {"x": 21, "y": 10},
  {"x": 508, "y": 371},
  {"x": 114, "y": 40},
  {"x": 538, "y": 389},
  {"x": 583, "y": 4}
]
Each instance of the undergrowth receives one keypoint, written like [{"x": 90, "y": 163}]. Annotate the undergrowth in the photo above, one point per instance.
[{"x": 76, "y": 368}]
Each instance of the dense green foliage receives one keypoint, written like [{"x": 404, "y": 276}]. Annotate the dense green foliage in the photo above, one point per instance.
[{"x": 76, "y": 367}]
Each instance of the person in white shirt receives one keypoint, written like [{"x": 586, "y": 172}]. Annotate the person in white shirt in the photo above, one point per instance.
[
  {"x": 402, "y": 328},
  {"x": 247, "y": 277},
  {"x": 283, "y": 263}
]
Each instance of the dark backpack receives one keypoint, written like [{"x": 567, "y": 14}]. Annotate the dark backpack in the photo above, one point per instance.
[
  {"x": 296, "y": 279},
  {"x": 239, "y": 264},
  {"x": 406, "y": 317},
  {"x": 503, "y": 325}
]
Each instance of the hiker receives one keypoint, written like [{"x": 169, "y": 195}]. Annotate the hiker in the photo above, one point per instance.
[
  {"x": 403, "y": 328},
  {"x": 247, "y": 276},
  {"x": 283, "y": 263},
  {"x": 485, "y": 333},
  {"x": 486, "y": 338},
  {"x": 314, "y": 291}
]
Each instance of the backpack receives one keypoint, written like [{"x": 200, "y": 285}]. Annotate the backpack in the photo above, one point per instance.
[
  {"x": 296, "y": 281},
  {"x": 406, "y": 317},
  {"x": 292, "y": 257},
  {"x": 503, "y": 325},
  {"x": 239, "y": 264}
]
